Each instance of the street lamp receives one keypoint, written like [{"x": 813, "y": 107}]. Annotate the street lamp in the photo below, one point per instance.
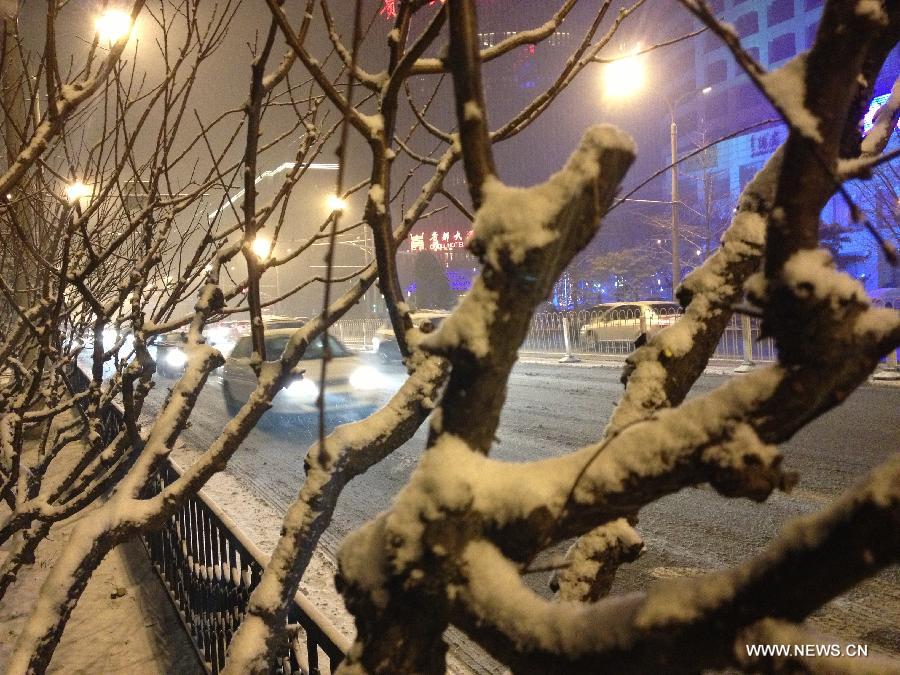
[
  {"x": 673, "y": 137},
  {"x": 261, "y": 248},
  {"x": 77, "y": 191},
  {"x": 624, "y": 76},
  {"x": 335, "y": 203},
  {"x": 113, "y": 25}
]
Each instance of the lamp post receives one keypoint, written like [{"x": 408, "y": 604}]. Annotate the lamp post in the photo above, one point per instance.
[
  {"x": 673, "y": 139},
  {"x": 625, "y": 76}
]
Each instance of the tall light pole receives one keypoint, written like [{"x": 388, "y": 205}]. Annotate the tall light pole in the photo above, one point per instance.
[
  {"x": 673, "y": 138},
  {"x": 623, "y": 77},
  {"x": 676, "y": 254}
]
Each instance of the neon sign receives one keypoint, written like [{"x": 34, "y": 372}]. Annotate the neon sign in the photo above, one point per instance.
[
  {"x": 444, "y": 240},
  {"x": 389, "y": 8},
  {"x": 869, "y": 117}
]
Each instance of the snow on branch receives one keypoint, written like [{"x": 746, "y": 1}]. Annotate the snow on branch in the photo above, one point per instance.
[
  {"x": 349, "y": 451},
  {"x": 591, "y": 562},
  {"x": 516, "y": 229},
  {"x": 69, "y": 99},
  {"x": 684, "y": 623},
  {"x": 660, "y": 373},
  {"x": 884, "y": 124}
]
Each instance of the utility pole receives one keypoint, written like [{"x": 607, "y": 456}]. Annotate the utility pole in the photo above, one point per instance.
[{"x": 676, "y": 255}]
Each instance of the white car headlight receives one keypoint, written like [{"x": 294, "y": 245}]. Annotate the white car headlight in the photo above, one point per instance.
[
  {"x": 366, "y": 377},
  {"x": 304, "y": 389},
  {"x": 110, "y": 335},
  {"x": 176, "y": 358},
  {"x": 375, "y": 342}
]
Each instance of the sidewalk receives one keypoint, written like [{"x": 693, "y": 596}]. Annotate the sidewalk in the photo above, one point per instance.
[
  {"x": 123, "y": 623},
  {"x": 714, "y": 367}
]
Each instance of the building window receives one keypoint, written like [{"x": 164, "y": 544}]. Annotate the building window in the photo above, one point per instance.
[
  {"x": 782, "y": 47},
  {"x": 811, "y": 34},
  {"x": 748, "y": 96},
  {"x": 710, "y": 42},
  {"x": 716, "y": 104},
  {"x": 747, "y": 172},
  {"x": 747, "y": 24},
  {"x": 719, "y": 185},
  {"x": 753, "y": 52},
  {"x": 780, "y": 10},
  {"x": 813, "y": 4},
  {"x": 716, "y": 72},
  {"x": 717, "y": 6},
  {"x": 685, "y": 62}
]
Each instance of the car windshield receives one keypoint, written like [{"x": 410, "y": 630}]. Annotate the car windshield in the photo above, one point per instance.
[{"x": 275, "y": 346}]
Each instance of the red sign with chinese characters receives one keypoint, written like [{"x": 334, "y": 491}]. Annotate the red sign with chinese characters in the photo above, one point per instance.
[
  {"x": 389, "y": 8},
  {"x": 438, "y": 240}
]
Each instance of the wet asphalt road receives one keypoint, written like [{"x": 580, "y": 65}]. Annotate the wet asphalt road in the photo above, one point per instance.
[{"x": 552, "y": 409}]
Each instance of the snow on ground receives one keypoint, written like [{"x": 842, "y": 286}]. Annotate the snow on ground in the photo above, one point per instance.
[{"x": 124, "y": 622}]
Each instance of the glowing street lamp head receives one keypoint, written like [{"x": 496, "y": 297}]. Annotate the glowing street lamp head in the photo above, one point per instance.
[
  {"x": 113, "y": 25},
  {"x": 262, "y": 248},
  {"x": 77, "y": 191},
  {"x": 335, "y": 203},
  {"x": 624, "y": 77}
]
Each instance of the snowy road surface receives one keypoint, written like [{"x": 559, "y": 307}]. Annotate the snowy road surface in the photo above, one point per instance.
[{"x": 553, "y": 409}]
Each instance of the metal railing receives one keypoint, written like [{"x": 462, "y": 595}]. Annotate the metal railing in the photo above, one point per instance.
[
  {"x": 356, "y": 333},
  {"x": 210, "y": 568},
  {"x": 610, "y": 333},
  {"x": 614, "y": 332}
]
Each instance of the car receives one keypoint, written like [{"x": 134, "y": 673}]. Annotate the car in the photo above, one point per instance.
[
  {"x": 276, "y": 321},
  {"x": 352, "y": 386},
  {"x": 384, "y": 342},
  {"x": 626, "y": 321},
  {"x": 169, "y": 355}
]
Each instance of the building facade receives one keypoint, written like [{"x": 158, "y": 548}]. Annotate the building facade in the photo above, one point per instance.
[{"x": 773, "y": 33}]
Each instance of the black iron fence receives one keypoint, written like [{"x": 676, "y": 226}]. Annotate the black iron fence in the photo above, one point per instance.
[{"x": 209, "y": 569}]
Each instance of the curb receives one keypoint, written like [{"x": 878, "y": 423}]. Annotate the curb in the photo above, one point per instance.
[{"x": 720, "y": 369}]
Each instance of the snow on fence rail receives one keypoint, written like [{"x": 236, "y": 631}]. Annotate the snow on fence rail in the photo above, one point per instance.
[
  {"x": 614, "y": 331},
  {"x": 611, "y": 332},
  {"x": 209, "y": 569}
]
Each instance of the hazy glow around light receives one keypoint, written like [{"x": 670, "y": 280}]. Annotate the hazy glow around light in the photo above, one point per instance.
[
  {"x": 706, "y": 90},
  {"x": 335, "y": 203},
  {"x": 113, "y": 25},
  {"x": 77, "y": 191},
  {"x": 262, "y": 248},
  {"x": 624, "y": 77}
]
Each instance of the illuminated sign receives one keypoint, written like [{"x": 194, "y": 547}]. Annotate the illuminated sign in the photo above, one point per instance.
[
  {"x": 389, "y": 8},
  {"x": 764, "y": 143},
  {"x": 443, "y": 240},
  {"x": 869, "y": 117}
]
